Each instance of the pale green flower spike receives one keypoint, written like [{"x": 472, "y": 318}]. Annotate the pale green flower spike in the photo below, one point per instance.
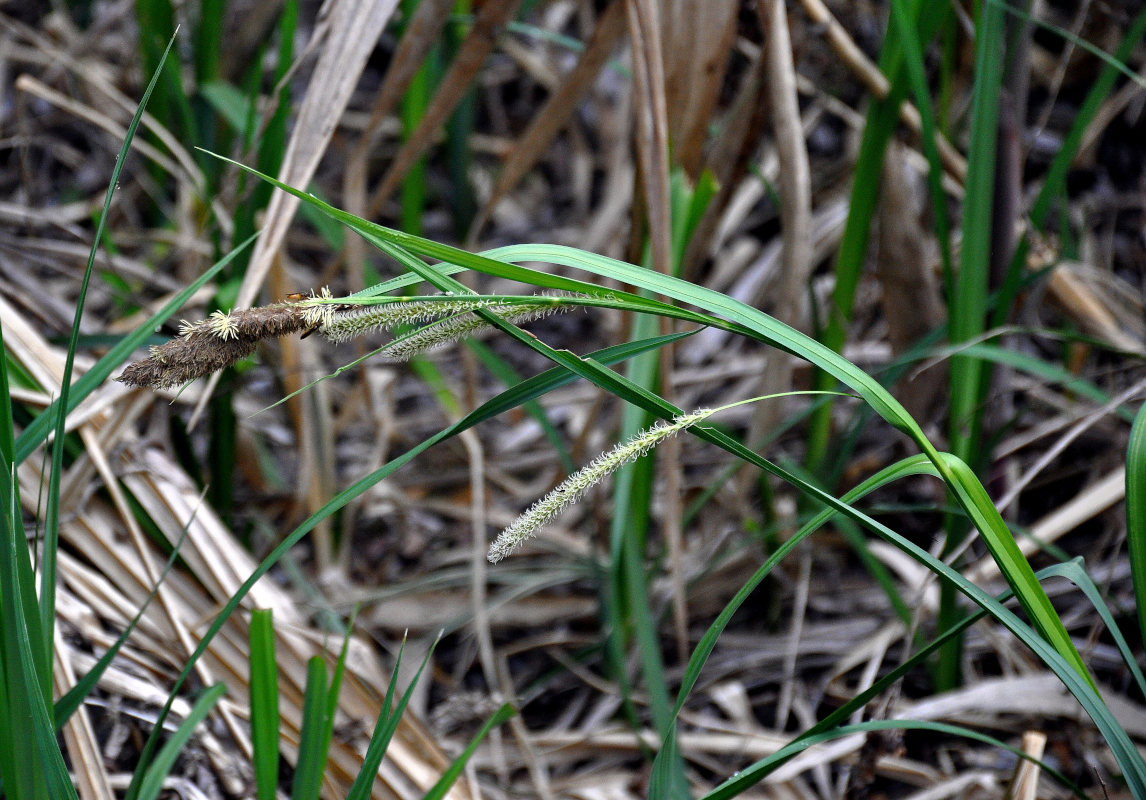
[
  {"x": 347, "y": 324},
  {"x": 459, "y": 327},
  {"x": 572, "y": 488},
  {"x": 343, "y": 323}
]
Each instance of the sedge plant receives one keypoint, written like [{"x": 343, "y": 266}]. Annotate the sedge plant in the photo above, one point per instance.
[
  {"x": 456, "y": 311},
  {"x": 339, "y": 317},
  {"x": 1042, "y": 631},
  {"x": 33, "y": 765}
]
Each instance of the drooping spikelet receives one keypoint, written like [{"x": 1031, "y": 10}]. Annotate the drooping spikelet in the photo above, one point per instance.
[
  {"x": 453, "y": 329},
  {"x": 572, "y": 488},
  {"x": 350, "y": 323}
]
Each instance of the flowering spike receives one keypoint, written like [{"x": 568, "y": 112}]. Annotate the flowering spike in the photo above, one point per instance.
[
  {"x": 572, "y": 488},
  {"x": 458, "y": 327}
]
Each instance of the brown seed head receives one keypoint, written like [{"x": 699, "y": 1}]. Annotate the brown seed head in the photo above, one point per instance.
[{"x": 214, "y": 343}]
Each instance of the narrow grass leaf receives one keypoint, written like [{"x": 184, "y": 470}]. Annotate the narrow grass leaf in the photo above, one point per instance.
[
  {"x": 7, "y": 429},
  {"x": 372, "y": 760},
  {"x": 272, "y": 143},
  {"x": 967, "y": 318},
  {"x": 152, "y": 782},
  {"x": 1012, "y": 563},
  {"x": 1043, "y": 370},
  {"x": 504, "y": 372},
  {"x": 155, "y": 19},
  {"x": 47, "y": 605},
  {"x": 413, "y": 106},
  {"x": 880, "y": 125},
  {"x": 14, "y": 551},
  {"x": 736, "y": 785},
  {"x": 632, "y": 498},
  {"x": 969, "y": 377},
  {"x": 1136, "y": 512},
  {"x": 264, "y": 694},
  {"x": 33, "y": 766},
  {"x": 311, "y": 752},
  {"x": 335, "y": 689},
  {"x": 1054, "y": 184},
  {"x": 207, "y": 40},
  {"x": 74, "y": 698},
  {"x": 1075, "y": 572},
  {"x": 916, "y": 75},
  {"x": 10, "y": 765},
  {"x": 384, "y": 728},
  {"x": 451, "y": 773}
]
